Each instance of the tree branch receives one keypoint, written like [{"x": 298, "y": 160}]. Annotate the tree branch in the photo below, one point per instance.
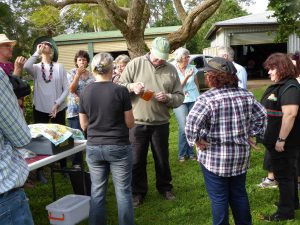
[
  {"x": 192, "y": 23},
  {"x": 180, "y": 10},
  {"x": 64, "y": 3},
  {"x": 136, "y": 12},
  {"x": 120, "y": 11},
  {"x": 198, "y": 10},
  {"x": 112, "y": 10}
]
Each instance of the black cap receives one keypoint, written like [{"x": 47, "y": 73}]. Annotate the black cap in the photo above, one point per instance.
[
  {"x": 47, "y": 40},
  {"x": 220, "y": 64}
]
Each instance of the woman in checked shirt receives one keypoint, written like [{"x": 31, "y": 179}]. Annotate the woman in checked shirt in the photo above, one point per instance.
[{"x": 221, "y": 125}]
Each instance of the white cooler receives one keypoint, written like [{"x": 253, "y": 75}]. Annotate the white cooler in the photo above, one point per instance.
[{"x": 69, "y": 210}]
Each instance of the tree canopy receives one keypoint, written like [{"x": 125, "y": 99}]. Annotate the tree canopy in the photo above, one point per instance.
[
  {"x": 288, "y": 17},
  {"x": 26, "y": 19},
  {"x": 132, "y": 21}
]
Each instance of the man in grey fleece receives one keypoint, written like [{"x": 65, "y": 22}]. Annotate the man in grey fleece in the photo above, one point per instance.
[{"x": 152, "y": 72}]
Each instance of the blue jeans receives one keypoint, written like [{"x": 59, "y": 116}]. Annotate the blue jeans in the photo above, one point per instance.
[
  {"x": 181, "y": 113},
  {"x": 14, "y": 209},
  {"x": 224, "y": 191},
  {"x": 74, "y": 123},
  {"x": 101, "y": 160}
]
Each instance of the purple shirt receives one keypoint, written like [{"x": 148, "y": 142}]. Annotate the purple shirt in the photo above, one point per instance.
[{"x": 8, "y": 67}]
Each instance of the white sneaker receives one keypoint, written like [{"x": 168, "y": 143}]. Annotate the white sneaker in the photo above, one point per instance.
[{"x": 267, "y": 183}]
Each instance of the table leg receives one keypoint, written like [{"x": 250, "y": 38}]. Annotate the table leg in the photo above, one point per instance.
[
  {"x": 53, "y": 183},
  {"x": 83, "y": 174}
]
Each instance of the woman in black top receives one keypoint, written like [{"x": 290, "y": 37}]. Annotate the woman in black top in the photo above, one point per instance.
[
  {"x": 281, "y": 139},
  {"x": 105, "y": 112}
]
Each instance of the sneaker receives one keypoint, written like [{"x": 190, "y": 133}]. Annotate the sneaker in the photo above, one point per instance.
[
  {"x": 168, "y": 195},
  {"x": 192, "y": 158},
  {"x": 181, "y": 159},
  {"x": 276, "y": 217},
  {"x": 267, "y": 183},
  {"x": 77, "y": 167},
  {"x": 137, "y": 200}
]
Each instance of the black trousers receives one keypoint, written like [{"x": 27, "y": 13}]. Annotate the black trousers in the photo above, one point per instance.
[
  {"x": 41, "y": 117},
  {"x": 158, "y": 137},
  {"x": 267, "y": 165},
  {"x": 285, "y": 172}
]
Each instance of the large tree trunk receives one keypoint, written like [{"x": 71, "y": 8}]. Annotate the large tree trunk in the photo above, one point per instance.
[
  {"x": 136, "y": 45},
  {"x": 132, "y": 22}
]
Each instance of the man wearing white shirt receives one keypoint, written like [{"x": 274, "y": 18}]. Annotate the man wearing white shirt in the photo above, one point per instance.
[{"x": 228, "y": 53}]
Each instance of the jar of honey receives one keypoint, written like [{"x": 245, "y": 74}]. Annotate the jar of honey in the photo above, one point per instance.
[{"x": 147, "y": 95}]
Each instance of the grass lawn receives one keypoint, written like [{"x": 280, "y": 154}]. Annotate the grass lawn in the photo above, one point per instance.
[{"x": 191, "y": 207}]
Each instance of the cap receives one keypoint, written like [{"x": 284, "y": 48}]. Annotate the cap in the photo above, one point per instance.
[
  {"x": 220, "y": 64},
  {"x": 160, "y": 48},
  {"x": 47, "y": 40}
]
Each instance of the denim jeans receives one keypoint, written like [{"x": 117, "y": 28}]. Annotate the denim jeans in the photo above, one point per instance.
[
  {"x": 116, "y": 159},
  {"x": 224, "y": 191},
  {"x": 14, "y": 209},
  {"x": 74, "y": 123},
  {"x": 181, "y": 113}
]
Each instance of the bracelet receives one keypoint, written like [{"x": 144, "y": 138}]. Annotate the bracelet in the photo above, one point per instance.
[{"x": 281, "y": 139}]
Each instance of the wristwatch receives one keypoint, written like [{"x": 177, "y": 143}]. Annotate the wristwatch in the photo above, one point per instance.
[{"x": 281, "y": 139}]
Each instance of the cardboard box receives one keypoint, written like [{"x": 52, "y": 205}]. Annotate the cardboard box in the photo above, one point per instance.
[
  {"x": 42, "y": 146},
  {"x": 69, "y": 210}
]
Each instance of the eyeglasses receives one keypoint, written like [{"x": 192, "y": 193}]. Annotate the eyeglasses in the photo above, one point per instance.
[{"x": 186, "y": 57}]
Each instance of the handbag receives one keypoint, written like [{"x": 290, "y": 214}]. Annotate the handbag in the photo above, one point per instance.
[{"x": 21, "y": 87}]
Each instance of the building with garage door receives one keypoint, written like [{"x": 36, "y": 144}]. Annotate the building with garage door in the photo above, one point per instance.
[
  {"x": 105, "y": 41},
  {"x": 252, "y": 38}
]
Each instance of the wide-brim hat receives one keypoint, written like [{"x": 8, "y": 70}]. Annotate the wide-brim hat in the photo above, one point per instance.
[
  {"x": 48, "y": 40},
  {"x": 219, "y": 64},
  {"x": 4, "y": 39}
]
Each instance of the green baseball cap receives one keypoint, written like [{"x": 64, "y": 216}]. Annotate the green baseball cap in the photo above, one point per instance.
[{"x": 160, "y": 48}]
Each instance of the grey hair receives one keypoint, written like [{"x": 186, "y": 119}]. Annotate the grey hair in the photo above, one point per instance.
[
  {"x": 102, "y": 63},
  {"x": 122, "y": 59},
  {"x": 227, "y": 50},
  {"x": 180, "y": 53}
]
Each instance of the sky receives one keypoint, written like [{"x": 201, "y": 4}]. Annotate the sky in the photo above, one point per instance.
[{"x": 258, "y": 7}]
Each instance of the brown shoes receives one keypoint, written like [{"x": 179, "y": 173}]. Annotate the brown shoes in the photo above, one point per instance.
[
  {"x": 137, "y": 200},
  {"x": 168, "y": 195}
]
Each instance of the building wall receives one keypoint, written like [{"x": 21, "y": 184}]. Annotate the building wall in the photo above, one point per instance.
[
  {"x": 293, "y": 43},
  {"x": 67, "y": 53},
  {"x": 228, "y": 36},
  {"x": 231, "y": 36}
]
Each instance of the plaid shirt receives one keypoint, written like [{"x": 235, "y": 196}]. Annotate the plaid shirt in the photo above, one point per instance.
[
  {"x": 226, "y": 118},
  {"x": 14, "y": 132}
]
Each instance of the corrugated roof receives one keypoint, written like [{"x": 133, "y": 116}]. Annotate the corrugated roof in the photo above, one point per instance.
[
  {"x": 264, "y": 18},
  {"x": 111, "y": 34}
]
